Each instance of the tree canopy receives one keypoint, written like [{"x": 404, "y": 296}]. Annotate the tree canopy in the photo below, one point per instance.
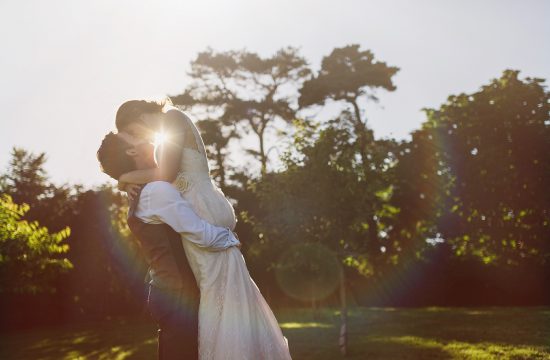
[{"x": 31, "y": 257}]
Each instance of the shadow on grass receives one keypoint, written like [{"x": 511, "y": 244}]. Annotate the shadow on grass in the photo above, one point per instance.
[
  {"x": 374, "y": 333},
  {"x": 112, "y": 340}
]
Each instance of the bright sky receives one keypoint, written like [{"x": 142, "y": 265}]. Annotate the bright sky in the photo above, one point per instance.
[{"x": 67, "y": 65}]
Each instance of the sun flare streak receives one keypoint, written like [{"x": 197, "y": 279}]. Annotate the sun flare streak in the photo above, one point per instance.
[{"x": 160, "y": 138}]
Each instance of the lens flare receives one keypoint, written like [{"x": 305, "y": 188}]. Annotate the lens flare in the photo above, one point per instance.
[
  {"x": 160, "y": 138},
  {"x": 308, "y": 272}
]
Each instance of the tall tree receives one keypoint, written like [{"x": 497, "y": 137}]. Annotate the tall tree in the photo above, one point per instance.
[
  {"x": 318, "y": 199},
  {"x": 349, "y": 75},
  {"x": 245, "y": 88}
]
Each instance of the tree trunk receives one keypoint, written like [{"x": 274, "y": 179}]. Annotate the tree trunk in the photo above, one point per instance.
[
  {"x": 362, "y": 135},
  {"x": 373, "y": 241},
  {"x": 259, "y": 129},
  {"x": 220, "y": 160},
  {"x": 356, "y": 110},
  {"x": 314, "y": 307},
  {"x": 343, "y": 340},
  {"x": 363, "y": 140},
  {"x": 263, "y": 157}
]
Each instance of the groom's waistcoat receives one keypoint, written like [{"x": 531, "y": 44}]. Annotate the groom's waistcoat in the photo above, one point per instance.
[{"x": 164, "y": 253}]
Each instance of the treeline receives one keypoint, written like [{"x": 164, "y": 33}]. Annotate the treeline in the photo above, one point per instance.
[{"x": 457, "y": 215}]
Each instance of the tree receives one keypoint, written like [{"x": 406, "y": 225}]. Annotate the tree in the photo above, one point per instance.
[
  {"x": 241, "y": 87},
  {"x": 488, "y": 170},
  {"x": 318, "y": 201},
  {"x": 109, "y": 269},
  {"x": 348, "y": 75},
  {"x": 27, "y": 181},
  {"x": 422, "y": 191},
  {"x": 30, "y": 257}
]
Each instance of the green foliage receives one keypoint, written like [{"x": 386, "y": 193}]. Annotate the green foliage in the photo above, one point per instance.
[
  {"x": 106, "y": 270},
  {"x": 322, "y": 198},
  {"x": 478, "y": 171},
  {"x": 348, "y": 75},
  {"x": 30, "y": 257}
]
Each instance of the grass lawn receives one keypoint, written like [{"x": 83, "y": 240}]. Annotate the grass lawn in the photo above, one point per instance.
[{"x": 375, "y": 333}]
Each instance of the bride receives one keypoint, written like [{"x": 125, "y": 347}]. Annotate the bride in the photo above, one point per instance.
[{"x": 235, "y": 322}]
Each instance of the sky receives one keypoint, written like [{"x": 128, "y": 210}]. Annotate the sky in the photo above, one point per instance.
[{"x": 66, "y": 66}]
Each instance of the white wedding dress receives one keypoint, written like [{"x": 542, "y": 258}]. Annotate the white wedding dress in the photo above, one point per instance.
[{"x": 235, "y": 322}]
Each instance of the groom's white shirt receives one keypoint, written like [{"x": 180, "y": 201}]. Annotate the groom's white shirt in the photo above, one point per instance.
[{"x": 160, "y": 202}]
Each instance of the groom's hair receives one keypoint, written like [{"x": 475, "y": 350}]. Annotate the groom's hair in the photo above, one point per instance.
[
  {"x": 113, "y": 158},
  {"x": 130, "y": 111}
]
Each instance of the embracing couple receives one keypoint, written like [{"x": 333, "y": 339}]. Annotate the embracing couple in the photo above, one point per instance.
[{"x": 200, "y": 291}]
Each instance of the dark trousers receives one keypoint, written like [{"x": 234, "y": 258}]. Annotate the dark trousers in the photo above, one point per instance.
[{"x": 177, "y": 316}]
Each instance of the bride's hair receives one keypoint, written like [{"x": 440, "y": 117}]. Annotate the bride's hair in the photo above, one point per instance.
[
  {"x": 113, "y": 158},
  {"x": 131, "y": 110}
]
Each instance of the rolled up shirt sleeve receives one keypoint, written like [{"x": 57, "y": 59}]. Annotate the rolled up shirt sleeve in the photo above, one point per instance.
[{"x": 161, "y": 202}]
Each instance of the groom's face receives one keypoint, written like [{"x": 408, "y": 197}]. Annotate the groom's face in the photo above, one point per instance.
[{"x": 142, "y": 151}]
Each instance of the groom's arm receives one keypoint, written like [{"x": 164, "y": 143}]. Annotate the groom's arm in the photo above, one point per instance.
[{"x": 161, "y": 202}]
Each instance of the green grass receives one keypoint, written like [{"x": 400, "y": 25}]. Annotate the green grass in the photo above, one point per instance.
[{"x": 375, "y": 333}]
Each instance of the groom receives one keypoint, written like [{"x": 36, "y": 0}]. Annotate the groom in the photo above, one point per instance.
[{"x": 160, "y": 218}]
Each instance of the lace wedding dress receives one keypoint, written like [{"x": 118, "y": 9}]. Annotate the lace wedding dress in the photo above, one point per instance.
[{"x": 235, "y": 322}]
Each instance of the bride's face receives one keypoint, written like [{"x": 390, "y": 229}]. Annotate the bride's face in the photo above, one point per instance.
[
  {"x": 152, "y": 120},
  {"x": 138, "y": 130},
  {"x": 145, "y": 128}
]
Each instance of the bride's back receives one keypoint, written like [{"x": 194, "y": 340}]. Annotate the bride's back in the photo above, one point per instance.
[{"x": 195, "y": 183}]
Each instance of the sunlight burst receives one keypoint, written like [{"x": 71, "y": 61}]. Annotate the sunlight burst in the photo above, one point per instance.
[{"x": 160, "y": 138}]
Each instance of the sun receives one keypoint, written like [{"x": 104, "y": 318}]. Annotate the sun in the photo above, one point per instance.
[{"x": 160, "y": 138}]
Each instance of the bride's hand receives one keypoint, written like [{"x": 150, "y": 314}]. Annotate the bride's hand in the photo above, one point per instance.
[
  {"x": 132, "y": 190},
  {"x": 121, "y": 185}
]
